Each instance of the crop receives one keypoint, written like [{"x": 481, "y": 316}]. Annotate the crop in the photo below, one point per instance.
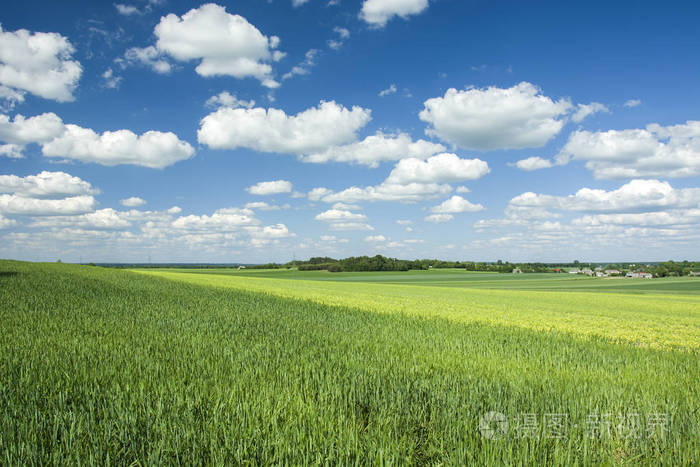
[{"x": 112, "y": 367}]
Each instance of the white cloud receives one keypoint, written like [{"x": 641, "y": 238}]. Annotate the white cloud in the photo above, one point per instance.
[
  {"x": 298, "y": 3},
  {"x": 303, "y": 68},
  {"x": 632, "y": 103},
  {"x": 440, "y": 168},
  {"x": 404, "y": 222},
  {"x": 343, "y": 35},
  {"x": 270, "y": 188},
  {"x": 39, "y": 63},
  {"x": 347, "y": 207},
  {"x": 226, "y": 99},
  {"x": 439, "y": 218},
  {"x": 636, "y": 196},
  {"x": 132, "y": 202},
  {"x": 378, "y": 12},
  {"x": 375, "y": 149},
  {"x": 127, "y": 10},
  {"x": 533, "y": 163},
  {"x": 45, "y": 185},
  {"x": 111, "y": 81},
  {"x": 147, "y": 56},
  {"x": 317, "y": 193},
  {"x": 103, "y": 219},
  {"x": 343, "y": 226},
  {"x": 455, "y": 205},
  {"x": 463, "y": 189},
  {"x": 388, "y": 91},
  {"x": 13, "y": 151},
  {"x": 411, "y": 192},
  {"x": 223, "y": 220},
  {"x": 375, "y": 238},
  {"x": 313, "y": 130},
  {"x": 657, "y": 151},
  {"x": 152, "y": 149},
  {"x": 225, "y": 44},
  {"x": 585, "y": 110},
  {"x": 23, "y": 206},
  {"x": 339, "y": 215},
  {"x": 39, "y": 129},
  {"x": 263, "y": 206},
  {"x": 340, "y": 219},
  {"x": 495, "y": 118},
  {"x": 6, "y": 223}
]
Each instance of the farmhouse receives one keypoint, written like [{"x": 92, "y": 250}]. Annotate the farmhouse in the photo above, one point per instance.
[
  {"x": 641, "y": 275},
  {"x": 613, "y": 272},
  {"x": 694, "y": 273},
  {"x": 517, "y": 271}
]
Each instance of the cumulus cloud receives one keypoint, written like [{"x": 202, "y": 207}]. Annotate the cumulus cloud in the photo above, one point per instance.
[
  {"x": 632, "y": 103},
  {"x": 411, "y": 192},
  {"x": 375, "y": 149},
  {"x": 46, "y": 185},
  {"x": 636, "y": 196},
  {"x": 377, "y": 13},
  {"x": 132, "y": 202},
  {"x": 39, "y": 63},
  {"x": 272, "y": 130},
  {"x": 303, "y": 68},
  {"x": 270, "y": 188},
  {"x": 23, "y": 206},
  {"x": 533, "y": 163},
  {"x": 375, "y": 238},
  {"x": 224, "y": 44},
  {"x": 440, "y": 168},
  {"x": 455, "y": 205},
  {"x": 110, "y": 80},
  {"x": 586, "y": 110},
  {"x": 317, "y": 193},
  {"x": 338, "y": 215},
  {"x": 340, "y": 219},
  {"x": 439, "y": 218},
  {"x": 153, "y": 149},
  {"x": 221, "y": 220},
  {"x": 147, "y": 56},
  {"x": 226, "y": 99},
  {"x": 22, "y": 131},
  {"x": 388, "y": 91},
  {"x": 7, "y": 223},
  {"x": 411, "y": 180},
  {"x": 343, "y": 35},
  {"x": 46, "y": 194},
  {"x": 127, "y": 10},
  {"x": 656, "y": 151},
  {"x": 495, "y": 118}
]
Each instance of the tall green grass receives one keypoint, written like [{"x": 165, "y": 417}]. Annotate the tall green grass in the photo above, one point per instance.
[{"x": 111, "y": 367}]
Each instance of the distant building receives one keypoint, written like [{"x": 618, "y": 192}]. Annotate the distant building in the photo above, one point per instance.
[
  {"x": 640, "y": 275},
  {"x": 517, "y": 271},
  {"x": 241, "y": 267},
  {"x": 694, "y": 273},
  {"x": 587, "y": 271},
  {"x": 574, "y": 271},
  {"x": 613, "y": 272},
  {"x": 600, "y": 274}
]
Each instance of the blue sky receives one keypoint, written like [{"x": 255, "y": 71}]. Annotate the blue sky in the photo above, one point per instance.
[{"x": 255, "y": 131}]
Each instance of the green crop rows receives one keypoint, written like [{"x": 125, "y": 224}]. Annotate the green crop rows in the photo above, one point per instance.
[{"x": 114, "y": 367}]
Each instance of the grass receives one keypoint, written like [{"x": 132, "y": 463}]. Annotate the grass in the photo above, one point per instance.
[
  {"x": 112, "y": 367},
  {"x": 662, "y": 320}
]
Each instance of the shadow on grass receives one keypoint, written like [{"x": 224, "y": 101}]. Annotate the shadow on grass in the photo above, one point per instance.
[{"x": 7, "y": 274}]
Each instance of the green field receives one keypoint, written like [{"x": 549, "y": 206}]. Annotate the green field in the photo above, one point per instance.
[{"x": 101, "y": 366}]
